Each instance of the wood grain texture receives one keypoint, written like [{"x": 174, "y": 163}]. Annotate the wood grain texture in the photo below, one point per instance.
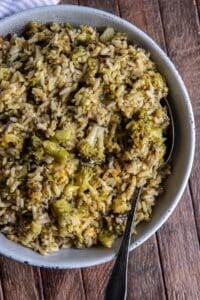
[
  {"x": 95, "y": 280},
  {"x": 19, "y": 281},
  {"x": 197, "y": 4},
  {"x": 62, "y": 284},
  {"x": 178, "y": 238},
  {"x": 1, "y": 291},
  {"x": 190, "y": 69},
  {"x": 146, "y": 15},
  {"x": 75, "y": 2},
  {"x": 108, "y": 5},
  {"x": 179, "y": 250},
  {"x": 183, "y": 42},
  {"x": 144, "y": 279},
  {"x": 194, "y": 181},
  {"x": 145, "y": 275},
  {"x": 38, "y": 282}
]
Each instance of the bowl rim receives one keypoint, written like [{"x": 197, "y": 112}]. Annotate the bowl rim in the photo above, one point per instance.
[{"x": 167, "y": 61}]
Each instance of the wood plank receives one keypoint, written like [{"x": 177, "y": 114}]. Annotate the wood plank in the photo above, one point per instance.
[
  {"x": 1, "y": 290},
  {"x": 147, "y": 17},
  {"x": 95, "y": 279},
  {"x": 197, "y": 6},
  {"x": 143, "y": 279},
  {"x": 38, "y": 282},
  {"x": 19, "y": 281},
  {"x": 108, "y": 5},
  {"x": 181, "y": 272},
  {"x": 183, "y": 40},
  {"x": 192, "y": 82},
  {"x": 75, "y": 2},
  {"x": 194, "y": 181},
  {"x": 62, "y": 284},
  {"x": 179, "y": 250},
  {"x": 145, "y": 274}
]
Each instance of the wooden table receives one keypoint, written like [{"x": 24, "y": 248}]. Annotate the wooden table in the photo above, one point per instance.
[{"x": 167, "y": 266}]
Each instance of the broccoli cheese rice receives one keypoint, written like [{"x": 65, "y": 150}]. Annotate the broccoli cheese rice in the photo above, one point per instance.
[{"x": 81, "y": 126}]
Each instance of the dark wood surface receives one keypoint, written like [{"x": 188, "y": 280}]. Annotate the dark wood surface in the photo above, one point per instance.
[{"x": 167, "y": 266}]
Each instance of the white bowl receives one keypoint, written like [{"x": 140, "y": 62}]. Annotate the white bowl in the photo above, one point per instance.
[{"x": 185, "y": 135}]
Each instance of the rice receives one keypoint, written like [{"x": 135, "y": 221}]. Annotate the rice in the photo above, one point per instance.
[{"x": 81, "y": 126}]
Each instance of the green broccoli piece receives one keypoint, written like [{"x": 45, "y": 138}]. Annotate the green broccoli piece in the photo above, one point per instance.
[
  {"x": 145, "y": 128},
  {"x": 61, "y": 207},
  {"x": 106, "y": 238},
  {"x": 119, "y": 205},
  {"x": 92, "y": 147},
  {"x": 66, "y": 134},
  {"x": 35, "y": 229},
  {"x": 62, "y": 135},
  {"x": 84, "y": 178},
  {"x": 55, "y": 150},
  {"x": 36, "y": 141},
  {"x": 107, "y": 35},
  {"x": 70, "y": 191}
]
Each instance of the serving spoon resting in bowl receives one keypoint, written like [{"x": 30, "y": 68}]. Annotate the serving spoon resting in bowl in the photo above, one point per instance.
[{"x": 117, "y": 285}]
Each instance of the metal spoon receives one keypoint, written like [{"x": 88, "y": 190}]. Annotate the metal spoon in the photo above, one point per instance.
[{"x": 117, "y": 285}]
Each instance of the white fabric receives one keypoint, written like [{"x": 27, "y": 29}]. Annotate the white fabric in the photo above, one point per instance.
[{"x": 9, "y": 7}]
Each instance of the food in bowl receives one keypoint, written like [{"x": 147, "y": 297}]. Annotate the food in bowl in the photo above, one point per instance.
[{"x": 81, "y": 126}]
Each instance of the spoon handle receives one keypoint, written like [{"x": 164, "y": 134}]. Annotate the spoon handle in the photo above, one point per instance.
[{"x": 117, "y": 284}]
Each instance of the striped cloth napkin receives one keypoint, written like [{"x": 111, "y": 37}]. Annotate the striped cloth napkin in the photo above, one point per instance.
[{"x": 9, "y": 7}]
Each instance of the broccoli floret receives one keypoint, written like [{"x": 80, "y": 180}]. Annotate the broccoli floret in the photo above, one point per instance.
[
  {"x": 35, "y": 229},
  {"x": 70, "y": 191},
  {"x": 66, "y": 134},
  {"x": 145, "y": 128},
  {"x": 55, "y": 150},
  {"x": 61, "y": 207},
  {"x": 106, "y": 238},
  {"x": 63, "y": 135},
  {"x": 92, "y": 147},
  {"x": 84, "y": 178},
  {"x": 36, "y": 141},
  {"x": 145, "y": 136},
  {"x": 119, "y": 205}
]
